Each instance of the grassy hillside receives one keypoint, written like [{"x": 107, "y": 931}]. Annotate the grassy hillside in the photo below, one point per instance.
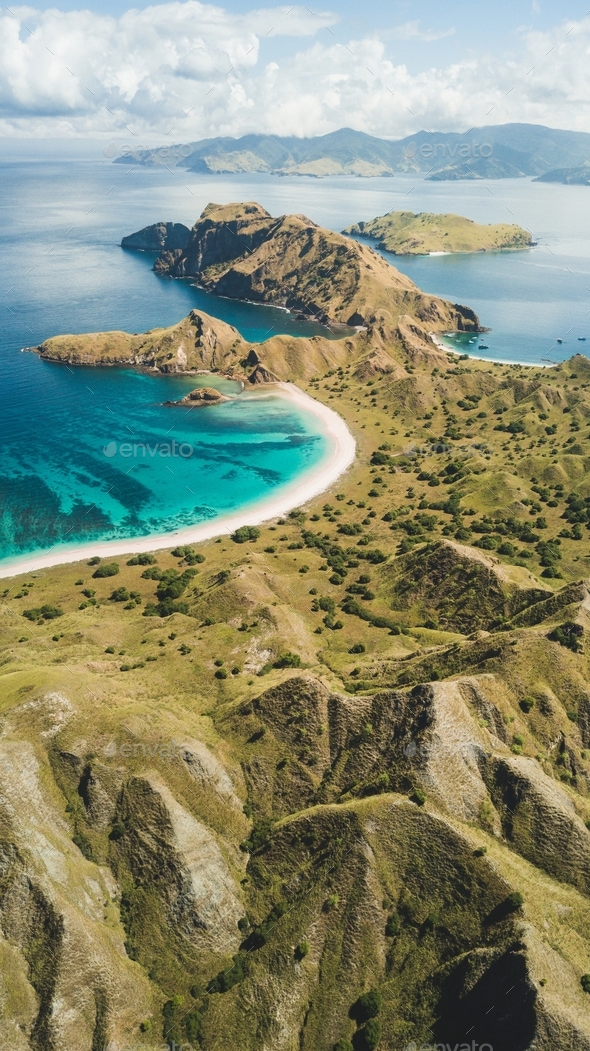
[
  {"x": 243, "y": 785},
  {"x": 405, "y": 233}
]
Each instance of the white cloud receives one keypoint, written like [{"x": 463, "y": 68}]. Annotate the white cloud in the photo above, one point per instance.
[
  {"x": 412, "y": 31},
  {"x": 194, "y": 70}
]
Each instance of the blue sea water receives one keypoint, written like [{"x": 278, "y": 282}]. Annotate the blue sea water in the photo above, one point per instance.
[{"x": 62, "y": 270}]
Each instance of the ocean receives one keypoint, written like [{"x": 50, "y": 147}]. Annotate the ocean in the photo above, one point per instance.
[{"x": 62, "y": 270}]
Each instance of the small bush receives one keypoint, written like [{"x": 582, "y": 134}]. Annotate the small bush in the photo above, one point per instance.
[
  {"x": 144, "y": 559},
  {"x": 585, "y": 982},
  {"x": 569, "y": 635},
  {"x": 343, "y": 1045},
  {"x": 221, "y": 673},
  {"x": 245, "y": 533},
  {"x": 106, "y": 569},
  {"x": 120, "y": 595},
  {"x": 418, "y": 797},
  {"x": 527, "y": 704},
  {"x": 43, "y": 613},
  {"x": 367, "y": 1006},
  {"x": 359, "y": 647},
  {"x": 288, "y": 660},
  {"x": 392, "y": 927},
  {"x": 301, "y": 950},
  {"x": 514, "y": 901},
  {"x": 370, "y": 1035}
]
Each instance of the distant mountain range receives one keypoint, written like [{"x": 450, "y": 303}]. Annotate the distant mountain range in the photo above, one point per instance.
[{"x": 493, "y": 152}]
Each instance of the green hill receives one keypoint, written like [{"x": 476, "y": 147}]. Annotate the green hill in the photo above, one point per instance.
[{"x": 406, "y": 233}]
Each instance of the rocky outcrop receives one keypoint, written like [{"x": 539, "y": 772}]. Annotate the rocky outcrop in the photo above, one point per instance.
[
  {"x": 158, "y": 238},
  {"x": 201, "y": 396},
  {"x": 262, "y": 375}
]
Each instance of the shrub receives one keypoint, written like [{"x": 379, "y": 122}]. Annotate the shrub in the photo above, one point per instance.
[
  {"x": 226, "y": 980},
  {"x": 527, "y": 704},
  {"x": 288, "y": 660},
  {"x": 569, "y": 635},
  {"x": 94, "y": 561},
  {"x": 302, "y": 950},
  {"x": 343, "y": 1045},
  {"x": 514, "y": 901},
  {"x": 244, "y": 533},
  {"x": 106, "y": 569},
  {"x": 359, "y": 647},
  {"x": 418, "y": 797},
  {"x": 370, "y": 1035},
  {"x": 144, "y": 559},
  {"x": 367, "y": 1006},
  {"x": 120, "y": 595},
  {"x": 392, "y": 926},
  {"x": 585, "y": 982},
  {"x": 221, "y": 673},
  {"x": 43, "y": 613}
]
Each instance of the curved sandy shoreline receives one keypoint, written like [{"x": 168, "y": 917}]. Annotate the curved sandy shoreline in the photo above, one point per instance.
[
  {"x": 490, "y": 361},
  {"x": 294, "y": 495}
]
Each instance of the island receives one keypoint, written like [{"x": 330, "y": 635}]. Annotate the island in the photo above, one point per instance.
[
  {"x": 407, "y": 233},
  {"x": 200, "y": 397},
  {"x": 575, "y": 176}
]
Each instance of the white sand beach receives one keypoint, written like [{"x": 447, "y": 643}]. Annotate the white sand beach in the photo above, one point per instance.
[
  {"x": 340, "y": 456},
  {"x": 491, "y": 361}
]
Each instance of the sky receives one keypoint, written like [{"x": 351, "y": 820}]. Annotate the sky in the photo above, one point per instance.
[{"x": 183, "y": 71}]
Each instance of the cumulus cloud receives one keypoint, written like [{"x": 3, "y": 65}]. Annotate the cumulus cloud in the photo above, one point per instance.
[
  {"x": 191, "y": 70},
  {"x": 413, "y": 31}
]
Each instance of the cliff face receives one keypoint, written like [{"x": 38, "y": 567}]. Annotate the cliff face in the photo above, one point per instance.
[
  {"x": 158, "y": 237},
  {"x": 240, "y": 251}
]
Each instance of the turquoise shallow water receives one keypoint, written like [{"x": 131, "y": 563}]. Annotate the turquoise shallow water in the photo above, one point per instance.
[
  {"x": 62, "y": 270},
  {"x": 105, "y": 459}
]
